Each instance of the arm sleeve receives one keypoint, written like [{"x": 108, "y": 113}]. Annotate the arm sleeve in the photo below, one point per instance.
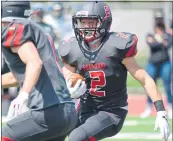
[
  {"x": 131, "y": 47},
  {"x": 17, "y": 34}
]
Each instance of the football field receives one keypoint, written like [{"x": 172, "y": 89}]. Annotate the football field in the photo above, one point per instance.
[{"x": 136, "y": 129}]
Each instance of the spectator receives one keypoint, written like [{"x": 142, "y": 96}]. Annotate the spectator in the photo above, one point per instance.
[{"x": 159, "y": 64}]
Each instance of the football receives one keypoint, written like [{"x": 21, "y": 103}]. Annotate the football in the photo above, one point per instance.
[{"x": 74, "y": 77}]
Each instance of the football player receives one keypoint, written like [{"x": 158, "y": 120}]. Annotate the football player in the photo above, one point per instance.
[
  {"x": 31, "y": 57},
  {"x": 104, "y": 58}
]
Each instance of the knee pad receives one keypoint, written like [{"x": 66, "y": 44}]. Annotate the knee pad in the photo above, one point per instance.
[{"x": 6, "y": 139}]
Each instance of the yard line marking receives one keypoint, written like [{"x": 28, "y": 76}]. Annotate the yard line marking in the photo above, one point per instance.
[
  {"x": 136, "y": 122},
  {"x": 142, "y": 135}
]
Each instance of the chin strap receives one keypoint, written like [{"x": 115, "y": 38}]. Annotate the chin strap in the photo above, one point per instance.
[{"x": 95, "y": 41}]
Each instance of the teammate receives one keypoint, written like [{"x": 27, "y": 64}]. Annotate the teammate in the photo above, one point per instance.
[
  {"x": 104, "y": 58},
  {"x": 31, "y": 57}
]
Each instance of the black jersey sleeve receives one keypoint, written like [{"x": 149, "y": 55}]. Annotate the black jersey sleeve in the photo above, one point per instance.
[
  {"x": 131, "y": 46},
  {"x": 125, "y": 44},
  {"x": 17, "y": 34}
]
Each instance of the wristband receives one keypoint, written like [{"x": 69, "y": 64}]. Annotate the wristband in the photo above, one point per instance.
[{"x": 159, "y": 105}]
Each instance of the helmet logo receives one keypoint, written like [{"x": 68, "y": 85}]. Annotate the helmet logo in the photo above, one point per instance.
[
  {"x": 9, "y": 11},
  {"x": 102, "y": 30},
  {"x": 107, "y": 12},
  {"x": 82, "y": 13},
  {"x": 27, "y": 12}
]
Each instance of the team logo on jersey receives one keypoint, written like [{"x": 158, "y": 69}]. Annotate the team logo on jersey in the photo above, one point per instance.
[
  {"x": 95, "y": 66},
  {"x": 67, "y": 40}
]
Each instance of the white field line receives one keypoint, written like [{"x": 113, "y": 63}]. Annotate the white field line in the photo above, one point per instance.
[
  {"x": 139, "y": 136},
  {"x": 137, "y": 122}
]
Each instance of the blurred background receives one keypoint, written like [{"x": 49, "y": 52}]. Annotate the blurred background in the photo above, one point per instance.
[{"x": 152, "y": 23}]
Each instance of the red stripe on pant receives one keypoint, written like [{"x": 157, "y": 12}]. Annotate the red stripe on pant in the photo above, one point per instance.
[
  {"x": 91, "y": 139},
  {"x": 6, "y": 139},
  {"x": 78, "y": 107}
]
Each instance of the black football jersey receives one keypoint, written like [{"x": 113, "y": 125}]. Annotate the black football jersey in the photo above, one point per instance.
[
  {"x": 103, "y": 69},
  {"x": 51, "y": 87}
]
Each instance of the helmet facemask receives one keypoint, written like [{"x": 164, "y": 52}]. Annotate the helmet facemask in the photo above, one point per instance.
[{"x": 87, "y": 28}]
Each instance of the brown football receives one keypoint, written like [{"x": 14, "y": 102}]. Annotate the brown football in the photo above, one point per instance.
[{"x": 75, "y": 77}]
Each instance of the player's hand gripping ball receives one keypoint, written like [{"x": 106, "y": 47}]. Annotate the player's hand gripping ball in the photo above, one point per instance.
[
  {"x": 74, "y": 77},
  {"x": 76, "y": 85}
]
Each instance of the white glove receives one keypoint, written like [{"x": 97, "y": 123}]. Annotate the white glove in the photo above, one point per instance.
[
  {"x": 78, "y": 90},
  {"x": 163, "y": 124},
  {"x": 16, "y": 106}
]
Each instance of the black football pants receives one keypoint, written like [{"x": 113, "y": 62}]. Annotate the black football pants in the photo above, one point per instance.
[
  {"x": 99, "y": 125},
  {"x": 50, "y": 124}
]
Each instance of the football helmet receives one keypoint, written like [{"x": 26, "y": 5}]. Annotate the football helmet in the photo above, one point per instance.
[
  {"x": 12, "y": 10},
  {"x": 99, "y": 18}
]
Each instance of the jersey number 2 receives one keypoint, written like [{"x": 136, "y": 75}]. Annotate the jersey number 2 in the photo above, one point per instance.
[{"x": 97, "y": 82}]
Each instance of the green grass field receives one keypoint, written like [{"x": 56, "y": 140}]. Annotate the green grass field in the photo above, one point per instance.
[{"x": 136, "y": 129}]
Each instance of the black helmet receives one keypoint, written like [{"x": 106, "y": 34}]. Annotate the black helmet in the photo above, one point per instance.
[
  {"x": 98, "y": 11},
  {"x": 15, "y": 10}
]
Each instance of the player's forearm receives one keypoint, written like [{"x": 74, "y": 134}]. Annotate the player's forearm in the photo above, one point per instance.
[
  {"x": 67, "y": 69},
  {"x": 66, "y": 72},
  {"x": 153, "y": 93},
  {"x": 151, "y": 89},
  {"x": 33, "y": 69},
  {"x": 8, "y": 80},
  {"x": 148, "y": 83}
]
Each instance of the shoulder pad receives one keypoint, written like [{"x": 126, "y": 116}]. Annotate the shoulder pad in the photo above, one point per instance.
[
  {"x": 17, "y": 34},
  {"x": 65, "y": 46},
  {"x": 120, "y": 39},
  {"x": 125, "y": 44},
  {"x": 66, "y": 50}
]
